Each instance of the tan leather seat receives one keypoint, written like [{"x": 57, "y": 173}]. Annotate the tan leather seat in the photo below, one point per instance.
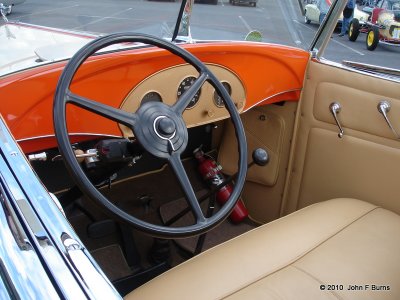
[{"x": 314, "y": 253}]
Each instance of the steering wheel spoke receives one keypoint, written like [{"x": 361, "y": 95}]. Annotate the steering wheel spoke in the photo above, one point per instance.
[
  {"x": 188, "y": 95},
  {"x": 109, "y": 112},
  {"x": 180, "y": 172}
]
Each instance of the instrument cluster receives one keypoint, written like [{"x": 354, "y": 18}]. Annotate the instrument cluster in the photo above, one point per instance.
[{"x": 170, "y": 84}]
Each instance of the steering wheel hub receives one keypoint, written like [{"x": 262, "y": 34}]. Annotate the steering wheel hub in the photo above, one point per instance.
[{"x": 160, "y": 129}]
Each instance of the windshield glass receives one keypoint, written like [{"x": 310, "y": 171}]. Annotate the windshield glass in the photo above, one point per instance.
[
  {"x": 278, "y": 21},
  {"x": 99, "y": 17},
  {"x": 286, "y": 22}
]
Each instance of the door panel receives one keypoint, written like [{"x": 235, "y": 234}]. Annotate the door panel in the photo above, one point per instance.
[
  {"x": 365, "y": 163},
  {"x": 359, "y": 107}
]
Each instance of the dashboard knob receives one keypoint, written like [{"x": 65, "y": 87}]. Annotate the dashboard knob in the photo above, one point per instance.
[{"x": 210, "y": 113}]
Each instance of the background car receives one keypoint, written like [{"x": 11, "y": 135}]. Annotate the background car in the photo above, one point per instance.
[
  {"x": 248, "y": 2},
  {"x": 312, "y": 14},
  {"x": 382, "y": 25},
  {"x": 215, "y": 2}
]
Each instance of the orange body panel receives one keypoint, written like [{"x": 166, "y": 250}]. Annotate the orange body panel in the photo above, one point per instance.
[{"x": 270, "y": 73}]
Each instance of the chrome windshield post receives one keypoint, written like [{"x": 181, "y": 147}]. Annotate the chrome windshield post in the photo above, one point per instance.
[
  {"x": 327, "y": 27},
  {"x": 3, "y": 11},
  {"x": 182, "y": 26}
]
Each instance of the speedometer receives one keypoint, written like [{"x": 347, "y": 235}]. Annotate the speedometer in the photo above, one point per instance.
[
  {"x": 184, "y": 86},
  {"x": 218, "y": 101}
]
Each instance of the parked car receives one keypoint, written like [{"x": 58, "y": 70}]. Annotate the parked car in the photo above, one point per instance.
[
  {"x": 156, "y": 154},
  {"x": 248, "y": 2},
  {"x": 7, "y": 5},
  {"x": 382, "y": 26},
  {"x": 312, "y": 14}
]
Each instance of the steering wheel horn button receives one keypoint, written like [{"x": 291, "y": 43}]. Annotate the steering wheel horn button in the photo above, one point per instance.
[{"x": 164, "y": 127}]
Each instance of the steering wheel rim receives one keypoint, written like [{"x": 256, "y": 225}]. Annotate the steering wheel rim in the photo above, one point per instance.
[{"x": 161, "y": 144}]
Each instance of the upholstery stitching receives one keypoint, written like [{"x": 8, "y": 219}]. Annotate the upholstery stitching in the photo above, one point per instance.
[
  {"x": 315, "y": 278},
  {"x": 302, "y": 255}
]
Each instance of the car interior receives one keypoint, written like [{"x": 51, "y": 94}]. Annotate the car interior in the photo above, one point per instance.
[{"x": 310, "y": 147}]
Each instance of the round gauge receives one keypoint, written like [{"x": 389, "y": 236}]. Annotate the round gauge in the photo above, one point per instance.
[
  {"x": 151, "y": 96},
  {"x": 218, "y": 101},
  {"x": 185, "y": 85}
]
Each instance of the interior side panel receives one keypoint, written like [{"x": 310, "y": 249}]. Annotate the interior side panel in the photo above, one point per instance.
[
  {"x": 269, "y": 127},
  {"x": 365, "y": 162}
]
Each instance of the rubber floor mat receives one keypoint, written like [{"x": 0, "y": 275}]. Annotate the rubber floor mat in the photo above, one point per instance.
[
  {"x": 112, "y": 261},
  {"x": 227, "y": 230}
]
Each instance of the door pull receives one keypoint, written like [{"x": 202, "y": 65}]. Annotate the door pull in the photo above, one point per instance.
[
  {"x": 384, "y": 108},
  {"x": 335, "y": 108}
]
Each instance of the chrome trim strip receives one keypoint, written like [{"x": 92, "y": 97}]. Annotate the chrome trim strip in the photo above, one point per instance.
[
  {"x": 22, "y": 264},
  {"x": 389, "y": 44},
  {"x": 362, "y": 70},
  {"x": 36, "y": 200},
  {"x": 372, "y": 68},
  {"x": 85, "y": 268},
  {"x": 274, "y": 95},
  {"x": 72, "y": 134},
  {"x": 7, "y": 287}
]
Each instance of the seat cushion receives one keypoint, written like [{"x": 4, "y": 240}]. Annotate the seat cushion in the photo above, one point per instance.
[{"x": 319, "y": 252}]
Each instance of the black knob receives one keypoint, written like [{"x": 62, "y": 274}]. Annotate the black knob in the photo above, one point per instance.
[{"x": 260, "y": 157}]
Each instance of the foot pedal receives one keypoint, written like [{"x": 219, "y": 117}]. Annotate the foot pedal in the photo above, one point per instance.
[{"x": 160, "y": 251}]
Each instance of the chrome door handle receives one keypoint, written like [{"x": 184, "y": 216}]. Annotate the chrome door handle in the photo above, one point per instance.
[
  {"x": 335, "y": 108},
  {"x": 384, "y": 108}
]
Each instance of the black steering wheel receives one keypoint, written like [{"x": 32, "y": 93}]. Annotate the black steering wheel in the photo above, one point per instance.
[{"x": 159, "y": 128}]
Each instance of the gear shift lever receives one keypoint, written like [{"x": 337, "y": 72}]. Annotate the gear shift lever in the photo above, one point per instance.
[{"x": 260, "y": 157}]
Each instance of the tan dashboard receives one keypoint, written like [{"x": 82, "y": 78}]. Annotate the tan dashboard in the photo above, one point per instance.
[{"x": 168, "y": 84}]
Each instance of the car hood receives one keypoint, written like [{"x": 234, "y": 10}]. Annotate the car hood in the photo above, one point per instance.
[
  {"x": 361, "y": 15},
  {"x": 24, "y": 46},
  {"x": 389, "y": 18}
]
